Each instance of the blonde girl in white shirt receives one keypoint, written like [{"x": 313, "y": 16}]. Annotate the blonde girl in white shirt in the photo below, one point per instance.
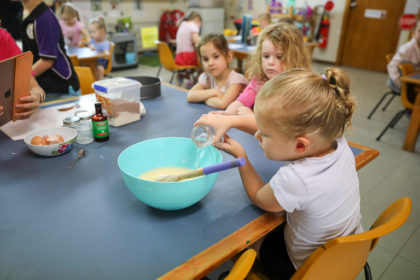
[
  {"x": 301, "y": 117},
  {"x": 219, "y": 85}
]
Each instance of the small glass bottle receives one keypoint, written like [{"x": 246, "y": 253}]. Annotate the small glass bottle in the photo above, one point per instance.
[
  {"x": 84, "y": 128},
  {"x": 100, "y": 125},
  {"x": 202, "y": 135},
  {"x": 72, "y": 122}
]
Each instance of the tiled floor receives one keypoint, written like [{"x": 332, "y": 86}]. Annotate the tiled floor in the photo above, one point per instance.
[{"x": 394, "y": 174}]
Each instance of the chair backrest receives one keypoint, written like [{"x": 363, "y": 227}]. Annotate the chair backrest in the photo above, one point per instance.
[
  {"x": 111, "y": 54},
  {"x": 389, "y": 57},
  {"x": 242, "y": 266},
  {"x": 165, "y": 56},
  {"x": 85, "y": 78},
  {"x": 74, "y": 60},
  {"x": 344, "y": 257},
  {"x": 392, "y": 218},
  {"x": 406, "y": 69}
]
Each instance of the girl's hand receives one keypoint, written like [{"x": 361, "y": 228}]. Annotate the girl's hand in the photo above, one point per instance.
[
  {"x": 220, "y": 112},
  {"x": 243, "y": 110},
  {"x": 220, "y": 123},
  {"x": 1, "y": 110},
  {"x": 231, "y": 146}
]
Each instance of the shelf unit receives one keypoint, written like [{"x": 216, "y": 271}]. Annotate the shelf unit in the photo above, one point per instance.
[
  {"x": 125, "y": 50},
  {"x": 275, "y": 13}
]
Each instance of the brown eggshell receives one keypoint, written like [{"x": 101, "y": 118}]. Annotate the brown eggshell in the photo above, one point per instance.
[
  {"x": 55, "y": 139},
  {"x": 37, "y": 140}
]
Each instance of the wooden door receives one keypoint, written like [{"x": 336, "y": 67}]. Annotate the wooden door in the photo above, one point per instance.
[{"x": 370, "y": 31}]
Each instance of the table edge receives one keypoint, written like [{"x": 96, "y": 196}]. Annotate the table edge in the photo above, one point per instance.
[{"x": 197, "y": 267}]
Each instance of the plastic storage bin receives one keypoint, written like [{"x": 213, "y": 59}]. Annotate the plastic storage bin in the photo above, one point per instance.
[{"x": 120, "y": 97}]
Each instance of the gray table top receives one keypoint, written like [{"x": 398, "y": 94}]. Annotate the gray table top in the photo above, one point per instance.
[{"x": 84, "y": 223}]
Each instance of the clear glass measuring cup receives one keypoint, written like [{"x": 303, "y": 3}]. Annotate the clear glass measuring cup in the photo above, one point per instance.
[{"x": 202, "y": 135}]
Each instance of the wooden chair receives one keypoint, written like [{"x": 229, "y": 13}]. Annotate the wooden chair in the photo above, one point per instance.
[
  {"x": 393, "y": 93},
  {"x": 167, "y": 61},
  {"x": 111, "y": 55},
  {"x": 85, "y": 78},
  {"x": 74, "y": 60},
  {"x": 242, "y": 266},
  {"x": 406, "y": 69},
  {"x": 345, "y": 257}
]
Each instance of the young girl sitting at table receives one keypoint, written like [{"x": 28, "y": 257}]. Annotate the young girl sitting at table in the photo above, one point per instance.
[
  {"x": 219, "y": 85},
  {"x": 301, "y": 118},
  {"x": 98, "y": 42},
  {"x": 74, "y": 31},
  {"x": 279, "y": 48}
]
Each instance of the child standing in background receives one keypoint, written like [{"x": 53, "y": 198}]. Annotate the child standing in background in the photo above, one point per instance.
[
  {"x": 187, "y": 37},
  {"x": 98, "y": 42},
  {"x": 279, "y": 48},
  {"x": 219, "y": 85},
  {"x": 74, "y": 31},
  {"x": 301, "y": 118}
]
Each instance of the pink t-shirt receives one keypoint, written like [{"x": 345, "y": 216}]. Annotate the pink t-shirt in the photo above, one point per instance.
[
  {"x": 247, "y": 97},
  {"x": 8, "y": 46},
  {"x": 184, "y": 37},
  {"x": 234, "y": 78},
  {"x": 72, "y": 34}
]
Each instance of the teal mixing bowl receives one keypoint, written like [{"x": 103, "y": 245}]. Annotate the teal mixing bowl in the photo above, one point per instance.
[{"x": 161, "y": 152}]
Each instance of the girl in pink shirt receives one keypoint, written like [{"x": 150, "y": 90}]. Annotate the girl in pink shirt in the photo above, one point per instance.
[
  {"x": 219, "y": 85},
  {"x": 187, "y": 37},
  {"x": 279, "y": 48},
  {"x": 74, "y": 31}
]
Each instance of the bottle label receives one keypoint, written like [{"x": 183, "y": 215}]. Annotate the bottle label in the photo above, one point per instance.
[{"x": 100, "y": 129}]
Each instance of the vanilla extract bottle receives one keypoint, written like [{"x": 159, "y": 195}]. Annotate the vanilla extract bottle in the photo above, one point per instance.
[{"x": 100, "y": 125}]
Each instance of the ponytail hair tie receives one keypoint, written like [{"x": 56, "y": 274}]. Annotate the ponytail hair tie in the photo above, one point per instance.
[{"x": 323, "y": 76}]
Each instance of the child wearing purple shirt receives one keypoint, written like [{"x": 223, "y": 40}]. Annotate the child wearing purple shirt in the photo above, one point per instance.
[{"x": 42, "y": 35}]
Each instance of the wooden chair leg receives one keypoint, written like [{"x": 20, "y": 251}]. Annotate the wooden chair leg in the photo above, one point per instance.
[{"x": 158, "y": 73}]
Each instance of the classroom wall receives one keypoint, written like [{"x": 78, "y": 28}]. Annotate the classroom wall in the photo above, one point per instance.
[{"x": 329, "y": 54}]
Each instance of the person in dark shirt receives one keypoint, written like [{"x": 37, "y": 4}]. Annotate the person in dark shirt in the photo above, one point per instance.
[{"x": 42, "y": 35}]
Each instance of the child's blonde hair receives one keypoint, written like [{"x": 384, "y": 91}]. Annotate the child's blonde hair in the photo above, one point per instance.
[
  {"x": 301, "y": 102},
  {"x": 219, "y": 42},
  {"x": 192, "y": 15},
  {"x": 265, "y": 16},
  {"x": 290, "y": 39},
  {"x": 99, "y": 22},
  {"x": 69, "y": 10}
]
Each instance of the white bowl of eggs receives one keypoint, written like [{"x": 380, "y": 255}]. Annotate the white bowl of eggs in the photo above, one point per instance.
[{"x": 51, "y": 142}]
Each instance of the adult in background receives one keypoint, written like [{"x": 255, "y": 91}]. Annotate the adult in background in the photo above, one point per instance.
[
  {"x": 409, "y": 52},
  {"x": 42, "y": 35}
]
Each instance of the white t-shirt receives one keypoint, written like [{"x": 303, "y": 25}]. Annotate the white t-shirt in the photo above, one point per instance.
[
  {"x": 234, "y": 78},
  {"x": 322, "y": 200},
  {"x": 409, "y": 52},
  {"x": 184, "y": 41}
]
